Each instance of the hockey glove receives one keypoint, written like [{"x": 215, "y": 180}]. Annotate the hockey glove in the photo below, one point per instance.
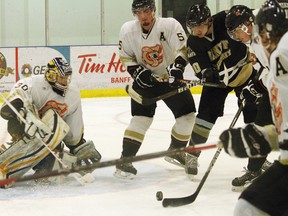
[
  {"x": 175, "y": 72},
  {"x": 245, "y": 142},
  {"x": 142, "y": 76},
  {"x": 210, "y": 75},
  {"x": 34, "y": 127},
  {"x": 249, "y": 93},
  {"x": 86, "y": 153}
]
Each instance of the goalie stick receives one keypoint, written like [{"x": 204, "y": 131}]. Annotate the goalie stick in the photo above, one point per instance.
[
  {"x": 180, "y": 201},
  {"x": 103, "y": 164}
]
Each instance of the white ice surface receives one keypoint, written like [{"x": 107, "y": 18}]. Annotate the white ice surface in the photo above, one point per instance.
[{"x": 105, "y": 121}]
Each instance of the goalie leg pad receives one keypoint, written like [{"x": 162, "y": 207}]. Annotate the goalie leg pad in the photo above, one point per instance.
[
  {"x": 27, "y": 153},
  {"x": 50, "y": 163}
]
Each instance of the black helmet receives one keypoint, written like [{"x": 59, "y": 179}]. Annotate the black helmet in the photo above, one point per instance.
[
  {"x": 238, "y": 15},
  {"x": 138, "y": 4},
  {"x": 273, "y": 18},
  {"x": 197, "y": 14}
]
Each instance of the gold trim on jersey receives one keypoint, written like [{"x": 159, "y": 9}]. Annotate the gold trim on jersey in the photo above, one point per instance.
[{"x": 243, "y": 75}]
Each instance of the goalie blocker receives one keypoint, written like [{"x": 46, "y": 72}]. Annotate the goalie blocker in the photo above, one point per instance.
[{"x": 27, "y": 153}]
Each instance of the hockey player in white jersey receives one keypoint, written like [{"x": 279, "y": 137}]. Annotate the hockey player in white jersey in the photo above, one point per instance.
[
  {"x": 240, "y": 23},
  {"x": 150, "y": 47},
  {"x": 267, "y": 195},
  {"x": 42, "y": 101}
]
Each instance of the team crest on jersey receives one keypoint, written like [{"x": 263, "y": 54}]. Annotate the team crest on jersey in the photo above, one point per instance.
[
  {"x": 4, "y": 70},
  {"x": 152, "y": 56},
  {"x": 60, "y": 108}
]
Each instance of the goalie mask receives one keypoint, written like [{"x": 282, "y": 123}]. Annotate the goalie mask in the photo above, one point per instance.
[{"x": 58, "y": 75}]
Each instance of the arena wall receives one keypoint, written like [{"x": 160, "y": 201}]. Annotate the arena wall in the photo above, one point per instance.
[{"x": 97, "y": 70}]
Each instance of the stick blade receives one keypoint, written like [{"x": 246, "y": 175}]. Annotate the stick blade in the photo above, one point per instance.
[
  {"x": 5, "y": 182},
  {"x": 176, "y": 202},
  {"x": 139, "y": 98}
]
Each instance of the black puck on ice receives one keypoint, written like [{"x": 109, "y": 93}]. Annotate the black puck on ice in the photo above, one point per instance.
[{"x": 159, "y": 195}]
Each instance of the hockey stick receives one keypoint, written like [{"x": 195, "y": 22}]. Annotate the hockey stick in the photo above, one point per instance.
[
  {"x": 103, "y": 164},
  {"x": 189, "y": 83},
  {"x": 174, "y": 202},
  {"x": 148, "y": 101}
]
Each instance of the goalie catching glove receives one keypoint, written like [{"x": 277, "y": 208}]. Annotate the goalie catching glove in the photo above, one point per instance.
[{"x": 251, "y": 141}]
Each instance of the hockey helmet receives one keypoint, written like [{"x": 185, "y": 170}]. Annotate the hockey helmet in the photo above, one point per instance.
[
  {"x": 272, "y": 19},
  {"x": 238, "y": 17},
  {"x": 197, "y": 14},
  {"x": 58, "y": 74},
  {"x": 140, "y": 4}
]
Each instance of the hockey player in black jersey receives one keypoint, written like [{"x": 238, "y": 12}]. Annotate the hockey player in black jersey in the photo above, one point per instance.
[
  {"x": 210, "y": 50},
  {"x": 240, "y": 23},
  {"x": 267, "y": 195}
]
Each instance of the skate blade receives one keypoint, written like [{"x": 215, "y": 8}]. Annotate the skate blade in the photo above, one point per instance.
[
  {"x": 87, "y": 178},
  {"x": 123, "y": 175},
  {"x": 243, "y": 187},
  {"x": 173, "y": 161},
  {"x": 238, "y": 189},
  {"x": 191, "y": 177}
]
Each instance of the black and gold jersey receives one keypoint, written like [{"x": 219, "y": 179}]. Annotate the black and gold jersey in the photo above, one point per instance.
[{"x": 219, "y": 51}]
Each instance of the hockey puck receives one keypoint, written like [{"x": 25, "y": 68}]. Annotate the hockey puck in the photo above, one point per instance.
[{"x": 159, "y": 195}]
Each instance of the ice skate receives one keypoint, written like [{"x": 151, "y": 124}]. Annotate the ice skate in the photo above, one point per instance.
[
  {"x": 191, "y": 167},
  {"x": 125, "y": 170},
  {"x": 177, "y": 159},
  {"x": 240, "y": 183},
  {"x": 266, "y": 165}
]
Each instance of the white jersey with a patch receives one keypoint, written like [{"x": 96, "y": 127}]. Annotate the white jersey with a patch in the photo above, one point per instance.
[
  {"x": 36, "y": 90},
  {"x": 277, "y": 85},
  {"x": 155, "y": 50}
]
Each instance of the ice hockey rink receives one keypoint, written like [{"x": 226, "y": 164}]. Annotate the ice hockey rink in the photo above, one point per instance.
[{"x": 105, "y": 121}]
